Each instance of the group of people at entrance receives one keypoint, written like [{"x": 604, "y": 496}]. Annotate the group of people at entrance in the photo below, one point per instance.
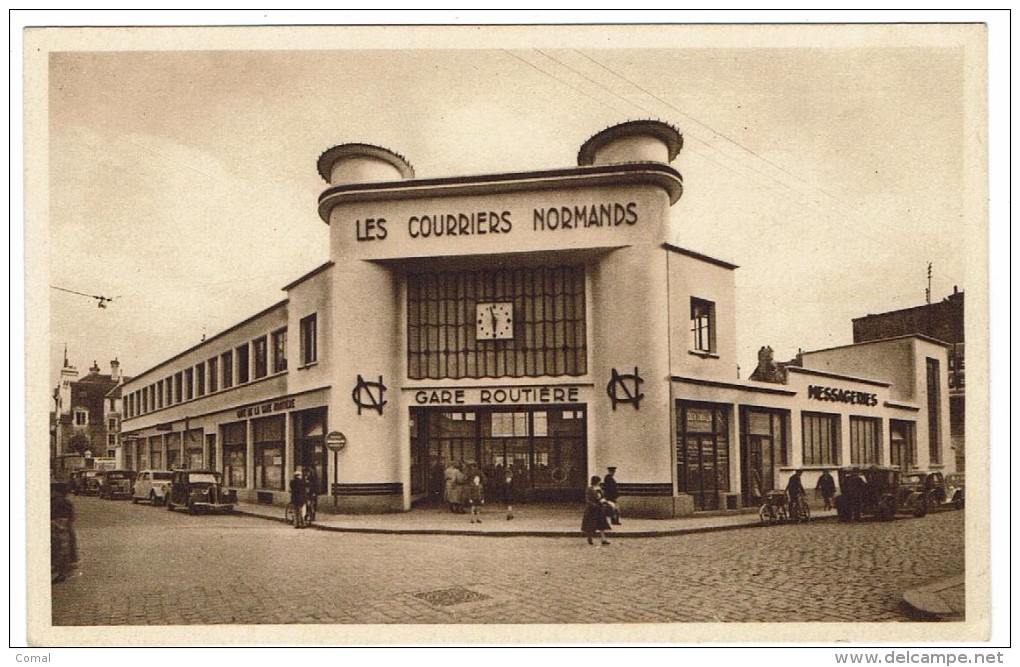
[
  {"x": 601, "y": 507},
  {"x": 304, "y": 498},
  {"x": 464, "y": 489}
]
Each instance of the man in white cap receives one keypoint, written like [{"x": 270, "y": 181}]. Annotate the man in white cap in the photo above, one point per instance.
[{"x": 612, "y": 495}]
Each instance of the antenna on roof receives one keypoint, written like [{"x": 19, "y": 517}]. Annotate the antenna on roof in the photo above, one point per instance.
[{"x": 927, "y": 291}]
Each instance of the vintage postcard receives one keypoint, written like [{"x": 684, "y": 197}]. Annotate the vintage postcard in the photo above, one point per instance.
[{"x": 510, "y": 335}]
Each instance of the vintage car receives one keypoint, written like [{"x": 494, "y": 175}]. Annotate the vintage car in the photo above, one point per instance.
[
  {"x": 199, "y": 490},
  {"x": 883, "y": 494},
  {"x": 115, "y": 483},
  {"x": 954, "y": 489},
  {"x": 86, "y": 483},
  {"x": 152, "y": 485}
]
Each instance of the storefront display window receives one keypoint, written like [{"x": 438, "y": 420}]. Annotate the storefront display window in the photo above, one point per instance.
[
  {"x": 269, "y": 442},
  {"x": 234, "y": 454},
  {"x": 156, "y": 452},
  {"x": 820, "y": 433},
  {"x": 903, "y": 444},
  {"x": 764, "y": 437},
  {"x": 865, "y": 440},
  {"x": 173, "y": 450}
]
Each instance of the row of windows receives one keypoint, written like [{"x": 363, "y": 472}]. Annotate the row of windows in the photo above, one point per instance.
[
  {"x": 253, "y": 360},
  {"x": 821, "y": 437}
]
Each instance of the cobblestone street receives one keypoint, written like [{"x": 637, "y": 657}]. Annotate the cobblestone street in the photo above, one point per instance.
[{"x": 146, "y": 566}]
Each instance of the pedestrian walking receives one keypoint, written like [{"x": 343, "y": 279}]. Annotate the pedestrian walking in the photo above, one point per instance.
[
  {"x": 474, "y": 495},
  {"x": 298, "y": 498},
  {"x": 826, "y": 488},
  {"x": 594, "y": 521},
  {"x": 453, "y": 477},
  {"x": 612, "y": 495},
  {"x": 854, "y": 490},
  {"x": 795, "y": 492},
  {"x": 508, "y": 491},
  {"x": 63, "y": 542}
]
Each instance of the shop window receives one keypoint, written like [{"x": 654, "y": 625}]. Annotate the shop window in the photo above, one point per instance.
[
  {"x": 542, "y": 331},
  {"x": 309, "y": 339},
  {"x": 173, "y": 450},
  {"x": 243, "y": 364},
  {"x": 156, "y": 452},
  {"x": 200, "y": 379},
  {"x": 235, "y": 439},
  {"x": 213, "y": 374},
  {"x": 228, "y": 369},
  {"x": 702, "y": 325},
  {"x": 934, "y": 411},
  {"x": 260, "y": 350},
  {"x": 903, "y": 444},
  {"x": 269, "y": 442},
  {"x": 764, "y": 435},
  {"x": 703, "y": 455},
  {"x": 820, "y": 433},
  {"x": 280, "y": 351},
  {"x": 865, "y": 440}
]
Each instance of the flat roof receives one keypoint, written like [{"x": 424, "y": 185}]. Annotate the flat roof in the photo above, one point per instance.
[
  {"x": 314, "y": 272},
  {"x": 764, "y": 388},
  {"x": 697, "y": 255},
  {"x": 838, "y": 376},
  {"x": 929, "y": 339}
]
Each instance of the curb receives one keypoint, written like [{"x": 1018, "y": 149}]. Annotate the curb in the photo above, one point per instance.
[{"x": 669, "y": 532}]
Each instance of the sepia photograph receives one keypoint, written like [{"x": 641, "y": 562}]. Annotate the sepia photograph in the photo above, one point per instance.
[{"x": 507, "y": 334}]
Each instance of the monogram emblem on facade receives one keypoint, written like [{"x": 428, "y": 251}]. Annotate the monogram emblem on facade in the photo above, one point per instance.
[
  {"x": 625, "y": 388},
  {"x": 369, "y": 395}
]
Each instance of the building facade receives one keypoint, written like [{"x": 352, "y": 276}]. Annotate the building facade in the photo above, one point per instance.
[
  {"x": 543, "y": 321},
  {"x": 86, "y": 413},
  {"x": 943, "y": 321}
]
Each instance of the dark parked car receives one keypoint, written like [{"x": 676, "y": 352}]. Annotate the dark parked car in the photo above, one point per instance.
[
  {"x": 954, "y": 489},
  {"x": 883, "y": 494},
  {"x": 199, "y": 490},
  {"x": 85, "y": 482},
  {"x": 115, "y": 483}
]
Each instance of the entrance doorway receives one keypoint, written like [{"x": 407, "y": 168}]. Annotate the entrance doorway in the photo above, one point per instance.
[
  {"x": 703, "y": 455},
  {"x": 310, "y": 446},
  {"x": 544, "y": 446},
  {"x": 763, "y": 438}
]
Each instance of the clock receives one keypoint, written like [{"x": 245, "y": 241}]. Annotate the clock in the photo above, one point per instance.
[{"x": 494, "y": 321}]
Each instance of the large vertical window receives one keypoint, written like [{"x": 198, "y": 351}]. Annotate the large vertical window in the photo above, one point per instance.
[
  {"x": 189, "y": 384},
  {"x": 260, "y": 348},
  {"x": 703, "y": 454},
  {"x": 821, "y": 438},
  {"x": 934, "y": 411},
  {"x": 903, "y": 444},
  {"x": 235, "y": 446},
  {"x": 269, "y": 464},
  {"x": 228, "y": 369},
  {"x": 280, "y": 351},
  {"x": 168, "y": 383},
  {"x": 865, "y": 440},
  {"x": 159, "y": 394},
  {"x": 200, "y": 379},
  {"x": 309, "y": 339},
  {"x": 543, "y": 334},
  {"x": 214, "y": 368},
  {"x": 178, "y": 387},
  {"x": 243, "y": 364},
  {"x": 702, "y": 325},
  {"x": 81, "y": 417}
]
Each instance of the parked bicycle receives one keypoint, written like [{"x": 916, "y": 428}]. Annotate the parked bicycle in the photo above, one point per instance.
[{"x": 773, "y": 509}]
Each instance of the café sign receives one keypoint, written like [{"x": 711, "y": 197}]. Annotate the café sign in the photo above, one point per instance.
[{"x": 266, "y": 408}]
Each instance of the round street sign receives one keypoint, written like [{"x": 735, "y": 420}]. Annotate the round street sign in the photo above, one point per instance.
[{"x": 336, "y": 441}]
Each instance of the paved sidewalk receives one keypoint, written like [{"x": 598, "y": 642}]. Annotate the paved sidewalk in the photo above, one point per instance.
[
  {"x": 944, "y": 599},
  {"x": 552, "y": 520}
]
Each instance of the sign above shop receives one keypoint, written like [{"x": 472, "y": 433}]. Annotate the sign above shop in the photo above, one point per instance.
[
  {"x": 836, "y": 395},
  {"x": 266, "y": 408},
  {"x": 497, "y": 396}
]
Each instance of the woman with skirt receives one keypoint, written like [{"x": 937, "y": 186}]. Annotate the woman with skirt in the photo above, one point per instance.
[{"x": 594, "y": 520}]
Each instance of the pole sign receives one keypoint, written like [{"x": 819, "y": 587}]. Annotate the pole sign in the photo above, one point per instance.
[{"x": 336, "y": 441}]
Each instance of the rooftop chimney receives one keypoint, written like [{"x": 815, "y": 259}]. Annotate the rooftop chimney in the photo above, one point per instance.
[{"x": 115, "y": 370}]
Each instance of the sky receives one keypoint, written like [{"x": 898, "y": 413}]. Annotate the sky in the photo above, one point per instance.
[{"x": 182, "y": 183}]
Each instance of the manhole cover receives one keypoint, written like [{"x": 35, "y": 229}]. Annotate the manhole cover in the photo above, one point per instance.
[{"x": 447, "y": 597}]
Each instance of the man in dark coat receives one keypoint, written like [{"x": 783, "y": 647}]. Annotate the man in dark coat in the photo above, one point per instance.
[
  {"x": 795, "y": 491},
  {"x": 612, "y": 494},
  {"x": 827, "y": 488},
  {"x": 853, "y": 489},
  {"x": 298, "y": 498}
]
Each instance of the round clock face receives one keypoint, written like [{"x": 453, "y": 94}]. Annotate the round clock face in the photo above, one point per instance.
[{"x": 494, "y": 320}]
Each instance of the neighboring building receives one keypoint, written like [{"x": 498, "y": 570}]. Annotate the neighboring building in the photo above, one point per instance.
[
  {"x": 542, "y": 320},
  {"x": 84, "y": 406},
  {"x": 942, "y": 321}
]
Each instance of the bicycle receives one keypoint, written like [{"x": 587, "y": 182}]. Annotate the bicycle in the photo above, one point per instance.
[
  {"x": 799, "y": 510},
  {"x": 773, "y": 509}
]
